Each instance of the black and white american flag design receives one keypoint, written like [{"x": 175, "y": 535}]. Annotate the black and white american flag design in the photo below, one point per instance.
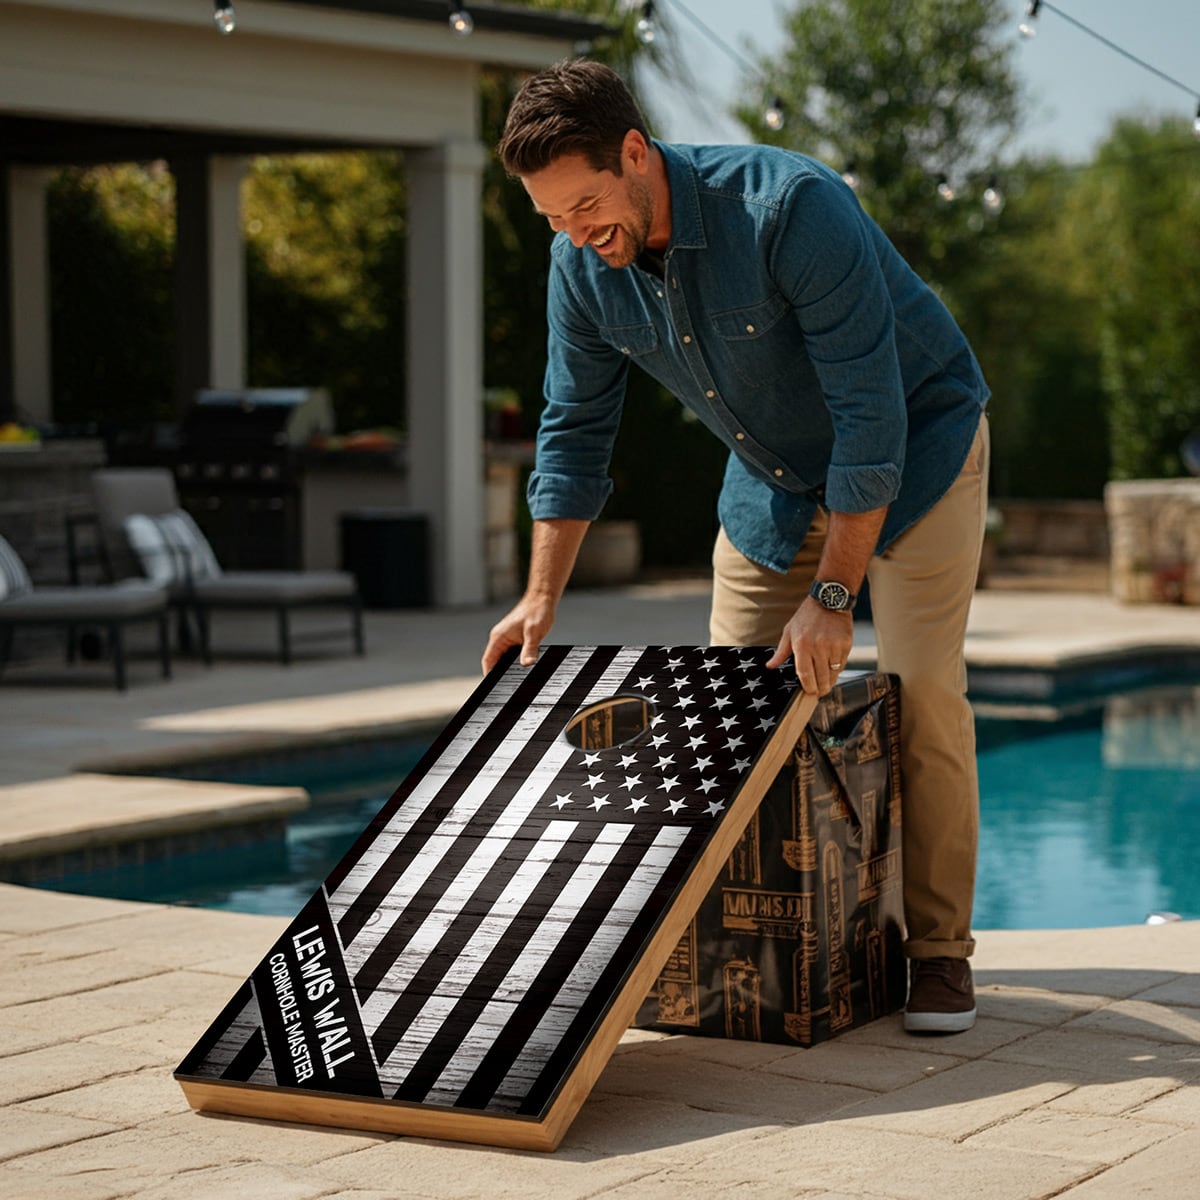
[{"x": 465, "y": 947}]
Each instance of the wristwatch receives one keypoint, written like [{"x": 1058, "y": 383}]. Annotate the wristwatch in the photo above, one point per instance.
[{"x": 836, "y": 597}]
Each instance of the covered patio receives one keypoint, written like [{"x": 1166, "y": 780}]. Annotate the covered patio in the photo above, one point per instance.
[{"x": 100, "y": 81}]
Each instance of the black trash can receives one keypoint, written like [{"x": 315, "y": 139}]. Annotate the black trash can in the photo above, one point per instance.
[{"x": 387, "y": 551}]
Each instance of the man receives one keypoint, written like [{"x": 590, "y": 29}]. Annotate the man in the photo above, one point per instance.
[{"x": 750, "y": 283}]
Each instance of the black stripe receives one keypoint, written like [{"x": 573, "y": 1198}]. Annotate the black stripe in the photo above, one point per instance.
[
  {"x": 248, "y": 1059},
  {"x": 542, "y": 990},
  {"x": 200, "y": 1052},
  {"x": 374, "y": 970},
  {"x": 355, "y": 917}
]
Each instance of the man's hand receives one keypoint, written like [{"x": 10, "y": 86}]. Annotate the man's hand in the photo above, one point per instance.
[
  {"x": 819, "y": 641},
  {"x": 524, "y": 626}
]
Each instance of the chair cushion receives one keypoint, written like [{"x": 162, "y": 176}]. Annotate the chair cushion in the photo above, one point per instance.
[
  {"x": 14, "y": 579},
  {"x": 234, "y": 588},
  {"x": 171, "y": 548},
  {"x": 113, "y": 602}
]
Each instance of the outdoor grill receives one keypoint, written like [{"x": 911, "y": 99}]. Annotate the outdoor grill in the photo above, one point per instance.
[{"x": 239, "y": 472}]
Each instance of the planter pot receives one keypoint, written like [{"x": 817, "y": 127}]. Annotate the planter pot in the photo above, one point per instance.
[{"x": 611, "y": 554}]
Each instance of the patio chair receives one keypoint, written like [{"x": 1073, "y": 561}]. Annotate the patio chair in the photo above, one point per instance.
[
  {"x": 144, "y": 530},
  {"x": 111, "y": 606}
]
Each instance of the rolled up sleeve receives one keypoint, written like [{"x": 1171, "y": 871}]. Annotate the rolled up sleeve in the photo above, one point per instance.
[
  {"x": 824, "y": 259},
  {"x": 584, "y": 394}
]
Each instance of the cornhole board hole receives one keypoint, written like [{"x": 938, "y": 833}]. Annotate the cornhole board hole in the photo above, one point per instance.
[{"x": 467, "y": 969}]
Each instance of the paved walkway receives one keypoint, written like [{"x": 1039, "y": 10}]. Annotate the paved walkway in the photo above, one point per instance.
[{"x": 1082, "y": 1078}]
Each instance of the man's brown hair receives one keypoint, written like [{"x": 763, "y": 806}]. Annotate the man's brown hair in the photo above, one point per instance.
[{"x": 574, "y": 107}]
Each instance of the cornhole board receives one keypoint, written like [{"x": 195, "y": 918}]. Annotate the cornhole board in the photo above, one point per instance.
[{"x": 467, "y": 969}]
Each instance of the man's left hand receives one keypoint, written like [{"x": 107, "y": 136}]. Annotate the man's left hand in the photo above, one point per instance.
[{"x": 819, "y": 642}]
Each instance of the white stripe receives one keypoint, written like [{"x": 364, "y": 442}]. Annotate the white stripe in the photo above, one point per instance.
[
  {"x": 581, "y": 982},
  {"x": 433, "y": 928},
  {"x": 524, "y": 970},
  {"x": 522, "y": 804}
]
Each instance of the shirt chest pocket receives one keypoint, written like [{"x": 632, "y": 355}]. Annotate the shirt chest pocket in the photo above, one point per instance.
[
  {"x": 760, "y": 341},
  {"x": 637, "y": 341}
]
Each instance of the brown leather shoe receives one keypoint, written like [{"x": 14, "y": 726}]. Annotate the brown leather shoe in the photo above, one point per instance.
[{"x": 941, "y": 996}]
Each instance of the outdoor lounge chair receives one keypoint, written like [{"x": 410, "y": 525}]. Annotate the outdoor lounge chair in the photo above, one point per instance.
[
  {"x": 143, "y": 529},
  {"x": 111, "y": 606}
]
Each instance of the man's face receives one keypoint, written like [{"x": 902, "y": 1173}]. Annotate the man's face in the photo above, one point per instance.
[{"x": 611, "y": 213}]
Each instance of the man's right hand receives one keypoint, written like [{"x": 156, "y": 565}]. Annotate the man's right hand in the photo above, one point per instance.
[{"x": 524, "y": 626}]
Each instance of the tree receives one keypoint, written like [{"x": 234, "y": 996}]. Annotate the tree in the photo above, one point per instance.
[{"x": 906, "y": 91}]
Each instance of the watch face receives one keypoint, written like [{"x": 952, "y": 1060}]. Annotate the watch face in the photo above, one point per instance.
[{"x": 834, "y": 595}]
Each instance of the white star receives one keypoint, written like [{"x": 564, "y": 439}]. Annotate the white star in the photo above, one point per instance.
[
  {"x": 658, "y": 740},
  {"x": 594, "y": 781},
  {"x": 715, "y": 685},
  {"x": 766, "y": 723},
  {"x": 672, "y": 663},
  {"x": 631, "y": 781},
  {"x": 715, "y": 806},
  {"x": 636, "y": 804},
  {"x": 741, "y": 764},
  {"x": 627, "y": 760},
  {"x": 599, "y": 802},
  {"x": 590, "y": 760},
  {"x": 759, "y": 702},
  {"x": 560, "y": 801},
  {"x": 697, "y": 740},
  {"x": 668, "y": 783},
  {"x": 665, "y": 760},
  {"x": 675, "y": 805},
  {"x": 747, "y": 664},
  {"x": 707, "y": 785},
  {"x": 684, "y": 701},
  {"x": 657, "y": 719},
  {"x": 721, "y": 701},
  {"x": 701, "y": 763},
  {"x": 709, "y": 663},
  {"x": 728, "y": 722},
  {"x": 679, "y": 684},
  {"x": 734, "y": 742},
  {"x": 752, "y": 685},
  {"x": 690, "y": 721},
  {"x": 645, "y": 682}
]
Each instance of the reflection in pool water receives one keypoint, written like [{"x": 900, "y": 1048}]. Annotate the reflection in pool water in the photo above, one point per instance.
[{"x": 1089, "y": 818}]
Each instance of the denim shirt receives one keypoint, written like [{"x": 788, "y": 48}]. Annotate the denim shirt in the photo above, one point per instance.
[{"x": 789, "y": 325}]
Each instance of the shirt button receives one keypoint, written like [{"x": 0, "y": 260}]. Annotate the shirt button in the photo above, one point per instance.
[
  {"x": 624, "y": 349},
  {"x": 778, "y": 472},
  {"x": 710, "y": 393},
  {"x": 741, "y": 437},
  {"x": 749, "y": 328},
  {"x": 658, "y": 293},
  {"x": 687, "y": 337}
]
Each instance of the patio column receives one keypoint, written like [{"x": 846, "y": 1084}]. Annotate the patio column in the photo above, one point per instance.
[
  {"x": 210, "y": 275},
  {"x": 445, "y": 363},
  {"x": 25, "y": 310}
]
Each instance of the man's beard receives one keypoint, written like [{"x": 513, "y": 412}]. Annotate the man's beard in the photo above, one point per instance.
[{"x": 633, "y": 236}]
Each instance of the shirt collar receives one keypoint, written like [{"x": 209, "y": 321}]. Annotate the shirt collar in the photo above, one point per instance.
[{"x": 687, "y": 227}]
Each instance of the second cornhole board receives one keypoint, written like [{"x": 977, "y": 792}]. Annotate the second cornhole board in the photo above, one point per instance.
[{"x": 467, "y": 969}]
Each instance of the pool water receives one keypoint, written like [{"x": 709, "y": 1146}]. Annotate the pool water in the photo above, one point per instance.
[{"x": 1088, "y": 818}]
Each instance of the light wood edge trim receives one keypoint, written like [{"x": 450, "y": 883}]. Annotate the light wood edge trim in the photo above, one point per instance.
[
  {"x": 523, "y": 1133},
  {"x": 380, "y": 1116}
]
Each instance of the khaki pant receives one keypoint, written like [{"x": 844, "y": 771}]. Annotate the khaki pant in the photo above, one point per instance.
[{"x": 921, "y": 589}]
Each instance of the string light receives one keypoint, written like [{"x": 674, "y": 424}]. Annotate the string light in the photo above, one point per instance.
[
  {"x": 850, "y": 175},
  {"x": 945, "y": 190},
  {"x": 224, "y": 17},
  {"x": 993, "y": 197},
  {"x": 646, "y": 29},
  {"x": 461, "y": 20},
  {"x": 774, "y": 116},
  {"x": 1027, "y": 27}
]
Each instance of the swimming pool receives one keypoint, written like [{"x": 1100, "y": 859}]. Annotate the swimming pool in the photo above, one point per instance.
[{"x": 1090, "y": 816}]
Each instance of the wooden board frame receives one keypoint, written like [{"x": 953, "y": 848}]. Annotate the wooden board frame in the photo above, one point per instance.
[{"x": 232, "y": 1069}]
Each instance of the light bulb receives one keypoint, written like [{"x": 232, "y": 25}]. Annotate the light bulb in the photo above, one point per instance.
[
  {"x": 645, "y": 30},
  {"x": 462, "y": 22},
  {"x": 993, "y": 197},
  {"x": 1027, "y": 27},
  {"x": 773, "y": 118},
  {"x": 944, "y": 190},
  {"x": 223, "y": 16},
  {"x": 850, "y": 176}
]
